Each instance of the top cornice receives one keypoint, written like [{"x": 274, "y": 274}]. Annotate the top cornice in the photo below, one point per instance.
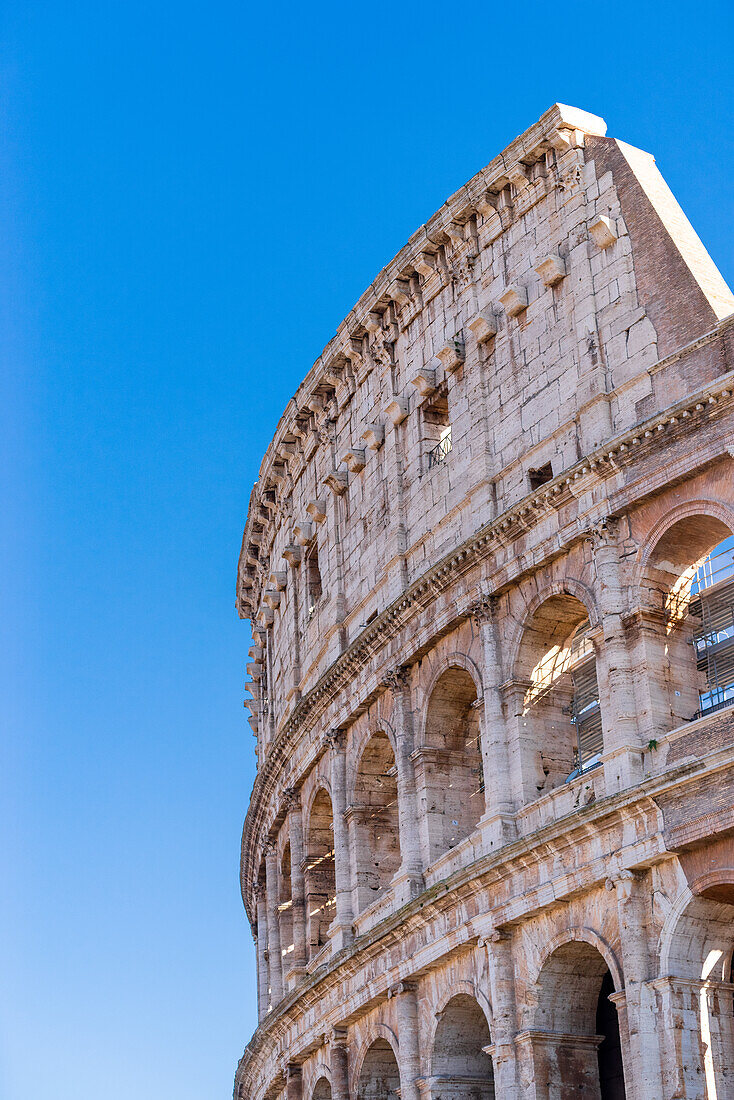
[{"x": 561, "y": 127}]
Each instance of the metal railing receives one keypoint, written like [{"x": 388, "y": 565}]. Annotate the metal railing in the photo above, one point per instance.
[
  {"x": 713, "y": 603},
  {"x": 439, "y": 454}
]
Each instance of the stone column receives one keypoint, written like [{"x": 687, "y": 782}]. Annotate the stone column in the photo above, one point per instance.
[
  {"x": 293, "y": 1081},
  {"x": 263, "y": 977},
  {"x": 339, "y": 1061},
  {"x": 498, "y": 820},
  {"x": 341, "y": 932},
  {"x": 504, "y": 1022},
  {"x": 406, "y": 1009},
  {"x": 622, "y": 747},
  {"x": 642, "y": 1066},
  {"x": 275, "y": 957},
  {"x": 298, "y": 884},
  {"x": 409, "y": 880}
]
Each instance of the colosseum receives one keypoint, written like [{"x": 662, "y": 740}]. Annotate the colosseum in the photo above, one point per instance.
[{"x": 489, "y": 566}]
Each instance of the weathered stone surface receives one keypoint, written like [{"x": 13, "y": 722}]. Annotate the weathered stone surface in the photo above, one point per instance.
[{"x": 444, "y": 903}]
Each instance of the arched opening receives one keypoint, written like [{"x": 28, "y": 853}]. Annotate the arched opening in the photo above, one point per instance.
[
  {"x": 320, "y": 873},
  {"x": 699, "y": 993},
  {"x": 285, "y": 909},
  {"x": 460, "y": 1067},
  {"x": 557, "y": 696},
  {"x": 688, "y": 640},
  {"x": 575, "y": 1040},
  {"x": 322, "y": 1090},
  {"x": 379, "y": 1078},
  {"x": 373, "y": 821},
  {"x": 448, "y": 764}
]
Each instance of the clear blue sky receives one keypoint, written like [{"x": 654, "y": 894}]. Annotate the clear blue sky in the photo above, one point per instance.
[{"x": 193, "y": 196}]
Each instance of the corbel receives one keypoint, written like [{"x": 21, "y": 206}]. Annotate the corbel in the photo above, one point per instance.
[
  {"x": 292, "y": 554},
  {"x": 303, "y": 532},
  {"x": 517, "y": 174},
  {"x": 514, "y": 299},
  {"x": 424, "y": 381},
  {"x": 337, "y": 481},
  {"x": 397, "y": 410},
  {"x": 374, "y": 436},
  {"x": 354, "y": 459},
  {"x": 317, "y": 510},
  {"x": 452, "y": 354},
  {"x": 279, "y": 578},
  {"x": 552, "y": 269},
  {"x": 603, "y": 231},
  {"x": 484, "y": 326}
]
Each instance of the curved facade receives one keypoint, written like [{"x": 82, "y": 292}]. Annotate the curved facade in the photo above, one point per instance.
[{"x": 488, "y": 564}]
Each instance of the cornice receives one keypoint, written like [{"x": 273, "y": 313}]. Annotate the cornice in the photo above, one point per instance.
[{"x": 621, "y": 452}]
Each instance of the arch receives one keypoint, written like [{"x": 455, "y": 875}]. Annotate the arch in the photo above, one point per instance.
[
  {"x": 586, "y": 935},
  {"x": 321, "y": 1089},
  {"x": 456, "y": 659},
  {"x": 701, "y": 506},
  {"x": 373, "y": 818},
  {"x": 320, "y": 876},
  {"x": 448, "y": 762},
  {"x": 697, "y": 950},
  {"x": 581, "y": 1051},
  {"x": 569, "y": 586},
  {"x": 686, "y": 648},
  {"x": 554, "y": 697},
  {"x": 460, "y": 1067},
  {"x": 462, "y": 985},
  {"x": 369, "y": 1079},
  {"x": 359, "y": 744}
]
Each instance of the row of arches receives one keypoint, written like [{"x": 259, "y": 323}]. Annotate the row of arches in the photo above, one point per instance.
[
  {"x": 584, "y": 1052},
  {"x": 554, "y": 723},
  {"x": 581, "y": 1026}
]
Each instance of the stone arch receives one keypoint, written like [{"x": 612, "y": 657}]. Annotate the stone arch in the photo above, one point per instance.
[
  {"x": 321, "y": 1087},
  {"x": 585, "y": 935},
  {"x": 381, "y": 1039},
  {"x": 696, "y": 956},
  {"x": 685, "y": 647},
  {"x": 569, "y": 586},
  {"x": 448, "y": 762},
  {"x": 320, "y": 874},
  {"x": 374, "y": 832},
  {"x": 700, "y": 506},
  {"x": 359, "y": 744},
  {"x": 470, "y": 988},
  {"x": 553, "y": 698},
  {"x": 574, "y": 1043},
  {"x": 457, "y": 659},
  {"x": 461, "y": 1069}
]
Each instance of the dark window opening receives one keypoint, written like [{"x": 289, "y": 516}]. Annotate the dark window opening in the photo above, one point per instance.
[{"x": 539, "y": 477}]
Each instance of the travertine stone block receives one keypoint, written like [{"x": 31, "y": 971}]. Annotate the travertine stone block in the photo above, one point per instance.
[
  {"x": 303, "y": 532},
  {"x": 354, "y": 459},
  {"x": 551, "y": 269},
  {"x": 397, "y": 410},
  {"x": 424, "y": 381},
  {"x": 451, "y": 355},
  {"x": 514, "y": 299},
  {"x": 484, "y": 325},
  {"x": 603, "y": 231},
  {"x": 317, "y": 509},
  {"x": 374, "y": 436}
]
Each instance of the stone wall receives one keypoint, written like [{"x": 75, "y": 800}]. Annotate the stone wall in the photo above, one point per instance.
[{"x": 486, "y": 851}]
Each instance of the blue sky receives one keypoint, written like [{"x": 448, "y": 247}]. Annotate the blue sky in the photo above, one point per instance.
[{"x": 192, "y": 197}]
